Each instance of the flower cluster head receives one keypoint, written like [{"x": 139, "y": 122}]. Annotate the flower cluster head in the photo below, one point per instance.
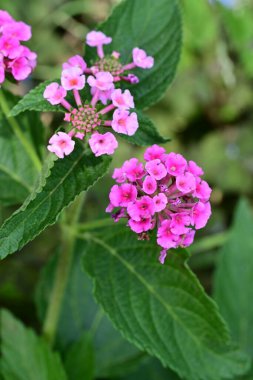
[
  {"x": 166, "y": 193},
  {"x": 109, "y": 108},
  {"x": 15, "y": 58}
]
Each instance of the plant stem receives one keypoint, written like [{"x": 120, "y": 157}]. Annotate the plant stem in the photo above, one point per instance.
[
  {"x": 19, "y": 133},
  {"x": 62, "y": 271}
]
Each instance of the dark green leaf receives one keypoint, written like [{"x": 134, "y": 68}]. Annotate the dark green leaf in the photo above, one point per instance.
[
  {"x": 146, "y": 134},
  {"x": 161, "y": 309},
  {"x": 114, "y": 356},
  {"x": 26, "y": 356},
  {"x": 67, "y": 178},
  {"x": 152, "y": 370},
  {"x": 151, "y": 25},
  {"x": 79, "y": 361},
  {"x": 233, "y": 280}
]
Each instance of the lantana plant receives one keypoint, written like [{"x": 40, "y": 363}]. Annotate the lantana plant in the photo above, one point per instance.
[{"x": 161, "y": 310}]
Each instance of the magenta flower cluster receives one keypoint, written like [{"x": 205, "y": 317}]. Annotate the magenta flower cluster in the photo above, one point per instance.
[
  {"x": 16, "y": 59},
  {"x": 167, "y": 194},
  {"x": 110, "y": 107}
]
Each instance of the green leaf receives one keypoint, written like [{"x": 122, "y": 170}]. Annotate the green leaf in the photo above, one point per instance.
[
  {"x": 233, "y": 279},
  {"x": 114, "y": 356},
  {"x": 17, "y": 171},
  {"x": 151, "y": 25},
  {"x": 161, "y": 309},
  {"x": 79, "y": 361},
  {"x": 146, "y": 134},
  {"x": 152, "y": 370},
  {"x": 25, "y": 356},
  {"x": 67, "y": 178}
]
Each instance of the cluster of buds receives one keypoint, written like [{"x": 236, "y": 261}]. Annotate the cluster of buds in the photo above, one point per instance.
[
  {"x": 110, "y": 107},
  {"x": 15, "y": 58},
  {"x": 167, "y": 193}
]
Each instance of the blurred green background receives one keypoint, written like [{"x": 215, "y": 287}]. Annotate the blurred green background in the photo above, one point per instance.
[{"x": 207, "y": 112}]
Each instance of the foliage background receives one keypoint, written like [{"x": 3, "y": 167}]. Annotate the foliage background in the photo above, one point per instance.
[{"x": 207, "y": 112}]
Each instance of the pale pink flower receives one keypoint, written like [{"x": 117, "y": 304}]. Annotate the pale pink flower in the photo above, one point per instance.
[
  {"x": 186, "y": 183},
  {"x": 149, "y": 185},
  {"x": 119, "y": 175},
  {"x": 95, "y": 38},
  {"x": 18, "y": 30},
  {"x": 72, "y": 79},
  {"x": 115, "y": 54},
  {"x": 176, "y": 164},
  {"x": 163, "y": 255},
  {"x": 144, "y": 224},
  {"x": 102, "y": 81},
  {"x": 61, "y": 144},
  {"x": 20, "y": 68},
  {"x": 122, "y": 100},
  {"x": 75, "y": 61},
  {"x": 156, "y": 169},
  {"x": 103, "y": 143},
  {"x": 200, "y": 214},
  {"x": 124, "y": 122},
  {"x": 141, "y": 59},
  {"x": 154, "y": 152},
  {"x": 160, "y": 202},
  {"x": 54, "y": 93},
  {"x": 103, "y": 96}
]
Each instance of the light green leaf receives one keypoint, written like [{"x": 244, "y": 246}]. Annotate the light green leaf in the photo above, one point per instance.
[
  {"x": 151, "y": 25},
  {"x": 233, "y": 279},
  {"x": 67, "y": 178},
  {"x": 161, "y": 309},
  {"x": 79, "y": 361},
  {"x": 146, "y": 134},
  {"x": 25, "y": 356},
  {"x": 114, "y": 356}
]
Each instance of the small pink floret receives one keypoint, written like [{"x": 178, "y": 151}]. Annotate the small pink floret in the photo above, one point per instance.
[
  {"x": 123, "y": 100},
  {"x": 125, "y": 122},
  {"x": 102, "y": 81},
  {"x": 103, "y": 143},
  {"x": 141, "y": 59},
  {"x": 72, "y": 79},
  {"x": 149, "y": 185},
  {"x": 61, "y": 144},
  {"x": 95, "y": 38},
  {"x": 54, "y": 93},
  {"x": 75, "y": 61},
  {"x": 154, "y": 152},
  {"x": 176, "y": 164},
  {"x": 156, "y": 169}
]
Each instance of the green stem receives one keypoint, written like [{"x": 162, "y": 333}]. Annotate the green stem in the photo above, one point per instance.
[
  {"x": 19, "y": 133},
  {"x": 62, "y": 272}
]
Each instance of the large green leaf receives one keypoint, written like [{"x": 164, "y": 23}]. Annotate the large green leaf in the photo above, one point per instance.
[
  {"x": 151, "y": 25},
  {"x": 233, "y": 280},
  {"x": 66, "y": 179},
  {"x": 25, "y": 356},
  {"x": 17, "y": 171},
  {"x": 114, "y": 356},
  {"x": 152, "y": 370},
  {"x": 161, "y": 309}
]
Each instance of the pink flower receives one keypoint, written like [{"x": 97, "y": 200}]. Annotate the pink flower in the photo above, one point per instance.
[
  {"x": 200, "y": 214},
  {"x": 124, "y": 122},
  {"x": 144, "y": 224},
  {"x": 76, "y": 61},
  {"x": 186, "y": 183},
  {"x": 18, "y": 30},
  {"x": 61, "y": 144},
  {"x": 2, "y": 73},
  {"x": 194, "y": 168},
  {"x": 176, "y": 164},
  {"x": 103, "y": 143},
  {"x": 154, "y": 152},
  {"x": 149, "y": 185},
  {"x": 122, "y": 100},
  {"x": 9, "y": 46},
  {"x": 133, "y": 169},
  {"x": 165, "y": 237},
  {"x": 202, "y": 191},
  {"x": 163, "y": 255},
  {"x": 156, "y": 169},
  {"x": 122, "y": 195},
  {"x": 141, "y": 59},
  {"x": 5, "y": 17},
  {"x": 160, "y": 202},
  {"x": 97, "y": 39},
  {"x": 54, "y": 93},
  {"x": 71, "y": 79},
  {"x": 103, "y": 96},
  {"x": 178, "y": 223},
  {"x": 188, "y": 238},
  {"x": 141, "y": 208},
  {"x": 119, "y": 175},
  {"x": 103, "y": 81},
  {"x": 20, "y": 68}
]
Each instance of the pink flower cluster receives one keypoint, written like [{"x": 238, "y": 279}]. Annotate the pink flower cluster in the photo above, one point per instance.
[
  {"x": 15, "y": 58},
  {"x": 166, "y": 193},
  {"x": 110, "y": 107}
]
